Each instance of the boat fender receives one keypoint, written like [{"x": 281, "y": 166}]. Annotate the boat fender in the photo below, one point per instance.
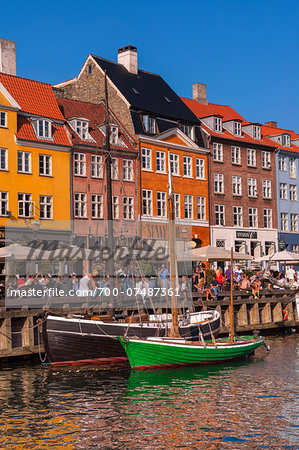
[{"x": 285, "y": 316}]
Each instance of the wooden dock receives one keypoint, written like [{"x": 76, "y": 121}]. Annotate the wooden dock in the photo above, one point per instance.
[{"x": 274, "y": 311}]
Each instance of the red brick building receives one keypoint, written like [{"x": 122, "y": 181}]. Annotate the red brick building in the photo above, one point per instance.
[
  {"x": 85, "y": 124},
  {"x": 242, "y": 178}
]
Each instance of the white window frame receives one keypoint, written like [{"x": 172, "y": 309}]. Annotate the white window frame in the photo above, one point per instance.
[
  {"x": 128, "y": 208},
  {"x": 237, "y": 129},
  {"x": 4, "y": 203},
  {"x": 147, "y": 202},
  {"x": 177, "y": 205},
  {"x": 146, "y": 158},
  {"x": 3, "y": 119},
  {"x": 201, "y": 208},
  {"x": 3, "y": 159},
  {"x": 79, "y": 164},
  {"x": 187, "y": 166},
  {"x": 283, "y": 191},
  {"x": 174, "y": 163},
  {"x": 161, "y": 204},
  {"x": 293, "y": 192},
  {"x": 284, "y": 226},
  {"x": 256, "y": 132},
  {"x": 292, "y": 167},
  {"x": 114, "y": 168},
  {"x": 237, "y": 185},
  {"x": 237, "y": 216},
  {"x": 217, "y": 152},
  {"x": 252, "y": 187},
  {"x": 218, "y": 124},
  {"x": 115, "y": 207},
  {"x": 46, "y": 207},
  {"x": 44, "y": 129},
  {"x": 97, "y": 206},
  {"x": 25, "y": 201},
  {"x": 218, "y": 183},
  {"x": 81, "y": 127},
  {"x": 267, "y": 189},
  {"x": 267, "y": 218},
  {"x": 236, "y": 155},
  {"x": 251, "y": 157},
  {"x": 200, "y": 168},
  {"x": 282, "y": 163},
  {"x": 160, "y": 161},
  {"x": 188, "y": 207},
  {"x": 252, "y": 217},
  {"x": 220, "y": 215},
  {"x": 113, "y": 134},
  {"x": 128, "y": 174},
  {"x": 266, "y": 160},
  {"x": 286, "y": 140},
  {"x": 24, "y": 156},
  {"x": 295, "y": 248},
  {"x": 96, "y": 162},
  {"x": 45, "y": 165},
  {"x": 294, "y": 223},
  {"x": 149, "y": 123},
  {"x": 80, "y": 205},
  {"x": 187, "y": 130}
]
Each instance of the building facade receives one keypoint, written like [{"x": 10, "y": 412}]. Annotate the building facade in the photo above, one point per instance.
[
  {"x": 85, "y": 124},
  {"x": 242, "y": 180},
  {"x": 34, "y": 160},
  {"x": 287, "y": 172}
]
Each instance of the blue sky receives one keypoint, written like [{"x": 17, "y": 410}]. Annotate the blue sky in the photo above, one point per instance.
[{"x": 246, "y": 52}]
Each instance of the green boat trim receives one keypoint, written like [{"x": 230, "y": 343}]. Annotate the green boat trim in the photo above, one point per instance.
[{"x": 169, "y": 352}]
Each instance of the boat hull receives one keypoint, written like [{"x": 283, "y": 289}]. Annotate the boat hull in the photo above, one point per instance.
[
  {"x": 145, "y": 354},
  {"x": 78, "y": 341}
]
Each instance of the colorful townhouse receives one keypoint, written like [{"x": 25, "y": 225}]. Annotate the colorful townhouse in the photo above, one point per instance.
[
  {"x": 87, "y": 131},
  {"x": 287, "y": 172},
  {"x": 34, "y": 160},
  {"x": 168, "y": 137},
  {"x": 242, "y": 175}
]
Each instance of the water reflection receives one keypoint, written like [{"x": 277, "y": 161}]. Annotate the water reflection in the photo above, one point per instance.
[{"x": 249, "y": 403}]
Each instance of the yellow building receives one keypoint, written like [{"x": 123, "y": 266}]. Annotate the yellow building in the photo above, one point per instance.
[{"x": 34, "y": 160}]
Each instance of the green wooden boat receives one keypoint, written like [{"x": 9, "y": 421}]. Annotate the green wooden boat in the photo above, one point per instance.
[{"x": 161, "y": 352}]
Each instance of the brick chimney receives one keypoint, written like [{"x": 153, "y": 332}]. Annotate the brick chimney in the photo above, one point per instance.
[
  {"x": 8, "y": 57},
  {"x": 199, "y": 93},
  {"x": 271, "y": 124},
  {"x": 127, "y": 56}
]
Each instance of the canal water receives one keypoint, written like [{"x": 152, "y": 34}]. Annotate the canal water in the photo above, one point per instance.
[{"x": 248, "y": 404}]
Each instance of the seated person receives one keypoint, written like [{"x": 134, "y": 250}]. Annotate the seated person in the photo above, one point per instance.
[
  {"x": 213, "y": 289},
  {"x": 245, "y": 283},
  {"x": 256, "y": 286}
]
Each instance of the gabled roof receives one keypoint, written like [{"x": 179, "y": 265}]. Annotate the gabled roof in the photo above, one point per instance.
[
  {"x": 96, "y": 115},
  {"x": 34, "y": 97},
  {"x": 152, "y": 94},
  {"x": 211, "y": 109},
  {"x": 26, "y": 132},
  {"x": 274, "y": 131},
  {"x": 227, "y": 113}
]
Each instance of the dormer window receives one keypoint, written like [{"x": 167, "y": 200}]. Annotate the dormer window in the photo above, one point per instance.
[
  {"x": 286, "y": 140},
  {"x": 3, "y": 119},
  {"x": 256, "y": 132},
  {"x": 218, "y": 124},
  {"x": 82, "y": 129},
  {"x": 149, "y": 124},
  {"x": 44, "y": 129},
  {"x": 237, "y": 128},
  {"x": 113, "y": 134},
  {"x": 187, "y": 129}
]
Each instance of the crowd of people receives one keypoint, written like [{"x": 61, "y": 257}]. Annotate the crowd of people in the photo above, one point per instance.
[{"x": 253, "y": 284}]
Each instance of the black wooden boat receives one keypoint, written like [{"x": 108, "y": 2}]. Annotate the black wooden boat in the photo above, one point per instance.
[{"x": 80, "y": 340}]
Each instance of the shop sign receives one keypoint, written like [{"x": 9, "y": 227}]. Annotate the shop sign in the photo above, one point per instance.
[{"x": 246, "y": 234}]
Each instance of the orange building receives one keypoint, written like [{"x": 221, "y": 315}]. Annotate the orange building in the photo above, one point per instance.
[{"x": 174, "y": 150}]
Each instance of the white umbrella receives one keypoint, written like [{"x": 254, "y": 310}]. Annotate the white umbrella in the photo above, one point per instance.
[
  {"x": 21, "y": 252},
  {"x": 281, "y": 256},
  {"x": 210, "y": 253}
]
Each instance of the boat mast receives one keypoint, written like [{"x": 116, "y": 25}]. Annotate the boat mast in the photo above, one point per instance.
[
  {"x": 108, "y": 160},
  {"x": 231, "y": 295},
  {"x": 174, "y": 330}
]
